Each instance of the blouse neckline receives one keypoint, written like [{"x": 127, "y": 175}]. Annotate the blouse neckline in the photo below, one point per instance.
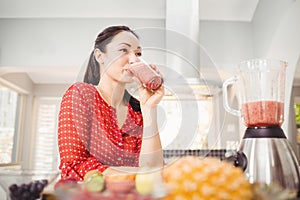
[{"x": 113, "y": 109}]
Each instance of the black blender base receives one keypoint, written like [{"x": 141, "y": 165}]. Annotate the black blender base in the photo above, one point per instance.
[{"x": 264, "y": 132}]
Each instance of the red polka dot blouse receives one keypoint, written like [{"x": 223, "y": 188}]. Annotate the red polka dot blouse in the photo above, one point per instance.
[{"x": 89, "y": 136}]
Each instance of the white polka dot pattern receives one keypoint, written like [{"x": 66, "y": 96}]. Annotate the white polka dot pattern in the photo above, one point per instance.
[{"x": 88, "y": 134}]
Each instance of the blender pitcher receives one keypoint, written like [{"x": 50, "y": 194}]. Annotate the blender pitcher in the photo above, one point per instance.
[
  {"x": 265, "y": 154},
  {"x": 261, "y": 87}
]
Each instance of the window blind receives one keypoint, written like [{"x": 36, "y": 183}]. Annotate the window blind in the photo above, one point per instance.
[{"x": 45, "y": 148}]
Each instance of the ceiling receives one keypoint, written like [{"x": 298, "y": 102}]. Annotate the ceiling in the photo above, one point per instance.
[{"x": 229, "y": 10}]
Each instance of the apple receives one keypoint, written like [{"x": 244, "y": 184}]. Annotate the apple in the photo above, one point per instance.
[
  {"x": 94, "y": 181},
  {"x": 66, "y": 183}
]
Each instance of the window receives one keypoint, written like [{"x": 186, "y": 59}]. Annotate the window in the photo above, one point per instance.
[
  {"x": 8, "y": 109},
  {"x": 185, "y": 119},
  {"x": 176, "y": 132},
  {"x": 45, "y": 148}
]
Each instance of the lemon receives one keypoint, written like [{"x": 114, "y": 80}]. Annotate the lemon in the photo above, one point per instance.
[
  {"x": 144, "y": 183},
  {"x": 149, "y": 182}
]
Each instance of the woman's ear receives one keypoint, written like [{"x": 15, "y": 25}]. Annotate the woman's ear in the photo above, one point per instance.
[{"x": 98, "y": 55}]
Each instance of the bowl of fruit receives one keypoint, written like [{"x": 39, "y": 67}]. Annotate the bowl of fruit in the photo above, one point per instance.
[{"x": 25, "y": 184}]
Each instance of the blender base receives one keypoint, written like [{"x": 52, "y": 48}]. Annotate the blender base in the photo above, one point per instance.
[{"x": 270, "y": 159}]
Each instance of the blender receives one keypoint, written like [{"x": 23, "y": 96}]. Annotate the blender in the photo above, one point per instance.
[{"x": 265, "y": 153}]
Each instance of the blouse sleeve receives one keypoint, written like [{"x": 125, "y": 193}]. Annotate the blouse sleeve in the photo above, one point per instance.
[{"x": 73, "y": 136}]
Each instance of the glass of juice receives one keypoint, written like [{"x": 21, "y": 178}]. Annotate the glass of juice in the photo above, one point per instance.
[{"x": 147, "y": 75}]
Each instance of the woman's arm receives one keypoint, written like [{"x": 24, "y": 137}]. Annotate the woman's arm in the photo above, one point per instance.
[
  {"x": 151, "y": 150},
  {"x": 151, "y": 154}
]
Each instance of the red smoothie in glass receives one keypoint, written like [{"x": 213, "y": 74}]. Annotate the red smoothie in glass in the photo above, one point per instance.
[
  {"x": 148, "y": 76},
  {"x": 263, "y": 113}
]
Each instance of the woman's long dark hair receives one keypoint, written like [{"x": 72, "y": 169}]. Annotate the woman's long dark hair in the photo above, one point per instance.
[{"x": 92, "y": 73}]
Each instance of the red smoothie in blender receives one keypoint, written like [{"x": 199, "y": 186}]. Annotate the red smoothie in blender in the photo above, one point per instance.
[{"x": 263, "y": 113}]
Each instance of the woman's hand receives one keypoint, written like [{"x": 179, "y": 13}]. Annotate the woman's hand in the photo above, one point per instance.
[
  {"x": 147, "y": 97},
  {"x": 150, "y": 98}
]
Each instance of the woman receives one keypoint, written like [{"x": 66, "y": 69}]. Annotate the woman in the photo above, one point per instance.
[{"x": 102, "y": 127}]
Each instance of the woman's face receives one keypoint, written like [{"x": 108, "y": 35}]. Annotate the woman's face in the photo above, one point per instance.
[{"x": 122, "y": 50}]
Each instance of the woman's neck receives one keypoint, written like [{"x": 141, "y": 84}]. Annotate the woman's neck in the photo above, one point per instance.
[{"x": 112, "y": 92}]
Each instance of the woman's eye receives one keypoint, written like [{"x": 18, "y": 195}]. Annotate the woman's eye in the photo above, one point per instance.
[
  {"x": 124, "y": 50},
  {"x": 138, "y": 54}
]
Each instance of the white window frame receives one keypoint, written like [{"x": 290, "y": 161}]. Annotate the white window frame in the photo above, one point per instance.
[{"x": 19, "y": 121}]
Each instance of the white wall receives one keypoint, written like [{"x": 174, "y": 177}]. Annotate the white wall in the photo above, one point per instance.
[
  {"x": 143, "y": 9},
  {"x": 228, "y": 43},
  {"x": 268, "y": 15},
  {"x": 55, "y": 42}
]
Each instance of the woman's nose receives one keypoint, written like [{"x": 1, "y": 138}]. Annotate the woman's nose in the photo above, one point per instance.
[{"x": 133, "y": 58}]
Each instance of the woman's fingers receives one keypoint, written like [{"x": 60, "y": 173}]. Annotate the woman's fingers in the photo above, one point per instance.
[{"x": 151, "y": 98}]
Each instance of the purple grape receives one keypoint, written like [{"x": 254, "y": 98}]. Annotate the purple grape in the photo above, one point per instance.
[
  {"x": 25, "y": 194},
  {"x": 25, "y": 188},
  {"x": 44, "y": 182},
  {"x": 20, "y": 190},
  {"x": 32, "y": 187},
  {"x": 36, "y": 195},
  {"x": 39, "y": 187},
  {"x": 29, "y": 191},
  {"x": 13, "y": 188},
  {"x": 36, "y": 181}
]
